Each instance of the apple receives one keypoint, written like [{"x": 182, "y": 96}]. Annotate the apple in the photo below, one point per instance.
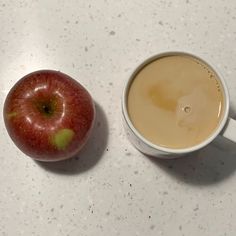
[{"x": 49, "y": 115}]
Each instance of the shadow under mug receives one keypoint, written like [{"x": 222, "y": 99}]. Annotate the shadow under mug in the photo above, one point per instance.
[{"x": 226, "y": 127}]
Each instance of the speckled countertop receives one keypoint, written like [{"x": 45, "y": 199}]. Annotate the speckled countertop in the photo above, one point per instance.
[{"x": 112, "y": 189}]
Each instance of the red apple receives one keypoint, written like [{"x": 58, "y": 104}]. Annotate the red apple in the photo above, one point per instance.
[{"x": 49, "y": 115}]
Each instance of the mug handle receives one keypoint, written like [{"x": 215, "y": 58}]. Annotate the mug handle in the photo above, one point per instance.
[{"x": 229, "y": 130}]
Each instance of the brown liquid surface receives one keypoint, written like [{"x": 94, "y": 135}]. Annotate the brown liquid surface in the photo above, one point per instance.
[{"x": 176, "y": 101}]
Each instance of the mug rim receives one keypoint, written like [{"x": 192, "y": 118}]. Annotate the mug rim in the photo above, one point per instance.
[{"x": 166, "y": 149}]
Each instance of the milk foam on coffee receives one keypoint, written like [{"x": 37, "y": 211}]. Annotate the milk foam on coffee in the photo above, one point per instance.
[{"x": 176, "y": 101}]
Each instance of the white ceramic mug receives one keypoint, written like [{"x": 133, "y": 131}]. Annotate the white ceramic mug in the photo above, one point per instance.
[{"x": 226, "y": 128}]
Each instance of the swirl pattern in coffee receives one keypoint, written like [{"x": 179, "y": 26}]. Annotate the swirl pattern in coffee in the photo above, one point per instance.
[{"x": 176, "y": 101}]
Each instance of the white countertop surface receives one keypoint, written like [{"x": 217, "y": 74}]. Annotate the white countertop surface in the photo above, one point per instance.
[{"x": 112, "y": 189}]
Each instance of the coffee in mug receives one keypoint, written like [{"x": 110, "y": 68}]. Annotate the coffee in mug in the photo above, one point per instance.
[{"x": 176, "y": 101}]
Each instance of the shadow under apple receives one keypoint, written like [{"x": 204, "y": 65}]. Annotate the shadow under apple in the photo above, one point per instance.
[{"x": 90, "y": 154}]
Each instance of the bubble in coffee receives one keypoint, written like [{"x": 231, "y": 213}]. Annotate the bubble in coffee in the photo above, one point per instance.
[{"x": 176, "y": 101}]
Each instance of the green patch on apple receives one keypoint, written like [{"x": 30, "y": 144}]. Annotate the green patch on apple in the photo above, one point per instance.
[
  {"x": 11, "y": 115},
  {"x": 62, "y": 138}
]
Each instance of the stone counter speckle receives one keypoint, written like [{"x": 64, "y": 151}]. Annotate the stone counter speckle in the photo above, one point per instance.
[{"x": 111, "y": 188}]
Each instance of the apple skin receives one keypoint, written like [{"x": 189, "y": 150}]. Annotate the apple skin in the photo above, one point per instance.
[{"x": 49, "y": 115}]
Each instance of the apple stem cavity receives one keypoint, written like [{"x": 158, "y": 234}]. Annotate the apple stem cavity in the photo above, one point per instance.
[
  {"x": 46, "y": 108},
  {"x": 62, "y": 138}
]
